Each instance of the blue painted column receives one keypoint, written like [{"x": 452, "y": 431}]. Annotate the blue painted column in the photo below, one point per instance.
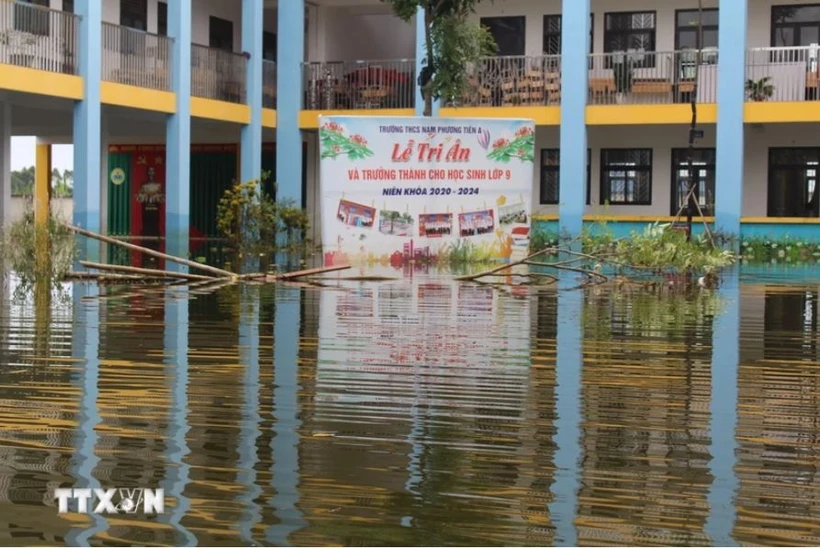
[
  {"x": 250, "y": 430},
  {"x": 285, "y": 476},
  {"x": 251, "y": 149},
  {"x": 731, "y": 95},
  {"x": 723, "y": 411},
  {"x": 421, "y": 56},
  {"x": 574, "y": 86},
  {"x": 290, "y": 53},
  {"x": 178, "y": 133},
  {"x": 87, "y": 117},
  {"x": 85, "y": 349},
  {"x": 177, "y": 474},
  {"x": 569, "y": 365}
]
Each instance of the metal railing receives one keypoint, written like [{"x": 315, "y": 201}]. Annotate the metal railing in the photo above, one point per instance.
[
  {"x": 38, "y": 38},
  {"x": 135, "y": 57},
  {"x": 360, "y": 84},
  {"x": 218, "y": 74},
  {"x": 511, "y": 81},
  {"x": 783, "y": 74},
  {"x": 268, "y": 84},
  {"x": 640, "y": 78}
]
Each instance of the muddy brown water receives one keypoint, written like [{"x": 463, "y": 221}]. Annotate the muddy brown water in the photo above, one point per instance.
[{"x": 416, "y": 412}]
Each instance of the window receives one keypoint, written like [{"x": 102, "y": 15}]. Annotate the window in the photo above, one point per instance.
[
  {"x": 68, "y": 5},
  {"x": 626, "y": 177},
  {"x": 703, "y": 164},
  {"x": 686, "y": 29},
  {"x": 552, "y": 34},
  {"x": 269, "y": 46},
  {"x": 162, "y": 19},
  {"x": 795, "y": 25},
  {"x": 508, "y": 33},
  {"x": 793, "y": 182},
  {"x": 31, "y": 19},
  {"x": 221, "y": 34},
  {"x": 550, "y": 172},
  {"x": 630, "y": 31},
  {"x": 134, "y": 14}
]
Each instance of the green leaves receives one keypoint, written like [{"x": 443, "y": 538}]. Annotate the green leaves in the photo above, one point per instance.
[
  {"x": 521, "y": 147},
  {"x": 454, "y": 43},
  {"x": 335, "y": 143}
]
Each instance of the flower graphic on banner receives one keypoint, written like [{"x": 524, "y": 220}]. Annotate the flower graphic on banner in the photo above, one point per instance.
[
  {"x": 521, "y": 146},
  {"x": 335, "y": 143}
]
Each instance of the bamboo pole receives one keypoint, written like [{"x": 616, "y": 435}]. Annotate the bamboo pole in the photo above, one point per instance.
[
  {"x": 308, "y": 272},
  {"x": 140, "y": 271},
  {"x": 154, "y": 253}
]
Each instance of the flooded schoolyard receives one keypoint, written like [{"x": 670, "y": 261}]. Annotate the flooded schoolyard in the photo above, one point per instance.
[{"x": 417, "y": 411}]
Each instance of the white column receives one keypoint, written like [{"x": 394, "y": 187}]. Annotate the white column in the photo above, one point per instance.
[{"x": 5, "y": 163}]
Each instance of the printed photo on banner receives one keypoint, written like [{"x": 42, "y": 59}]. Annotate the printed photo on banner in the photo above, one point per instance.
[
  {"x": 476, "y": 223},
  {"x": 435, "y": 190},
  {"x": 435, "y": 225},
  {"x": 356, "y": 215},
  {"x": 395, "y": 223}
]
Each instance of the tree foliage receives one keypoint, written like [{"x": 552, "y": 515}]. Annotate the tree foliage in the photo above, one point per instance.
[{"x": 454, "y": 43}]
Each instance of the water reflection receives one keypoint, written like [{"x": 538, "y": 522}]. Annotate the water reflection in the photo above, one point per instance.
[{"x": 415, "y": 412}]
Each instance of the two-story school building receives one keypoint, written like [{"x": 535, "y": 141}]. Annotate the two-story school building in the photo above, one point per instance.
[{"x": 168, "y": 102}]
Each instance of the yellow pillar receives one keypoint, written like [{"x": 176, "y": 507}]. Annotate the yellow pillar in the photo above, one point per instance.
[{"x": 42, "y": 183}]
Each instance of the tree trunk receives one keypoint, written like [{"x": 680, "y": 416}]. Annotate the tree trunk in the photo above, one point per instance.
[{"x": 426, "y": 89}]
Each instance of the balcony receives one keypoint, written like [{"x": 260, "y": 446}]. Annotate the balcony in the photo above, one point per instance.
[
  {"x": 136, "y": 58},
  {"x": 218, "y": 74},
  {"x": 514, "y": 81},
  {"x": 38, "y": 38},
  {"x": 782, "y": 74},
  {"x": 652, "y": 78},
  {"x": 268, "y": 84},
  {"x": 360, "y": 85}
]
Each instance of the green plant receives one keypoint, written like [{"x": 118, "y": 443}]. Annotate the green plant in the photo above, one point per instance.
[
  {"x": 253, "y": 221},
  {"x": 37, "y": 253},
  {"x": 453, "y": 44},
  {"x": 659, "y": 248},
  {"x": 760, "y": 90},
  {"x": 781, "y": 250}
]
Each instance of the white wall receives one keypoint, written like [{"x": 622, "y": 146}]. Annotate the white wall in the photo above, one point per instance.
[
  {"x": 362, "y": 33},
  {"x": 61, "y": 208},
  {"x": 759, "y": 33}
]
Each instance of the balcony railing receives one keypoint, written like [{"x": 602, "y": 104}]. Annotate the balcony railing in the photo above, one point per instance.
[
  {"x": 136, "y": 57},
  {"x": 783, "y": 74},
  {"x": 38, "y": 38},
  {"x": 218, "y": 74},
  {"x": 269, "y": 84},
  {"x": 640, "y": 78},
  {"x": 360, "y": 84},
  {"x": 513, "y": 81}
]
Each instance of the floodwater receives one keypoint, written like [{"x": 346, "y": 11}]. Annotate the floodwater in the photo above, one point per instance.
[{"x": 417, "y": 412}]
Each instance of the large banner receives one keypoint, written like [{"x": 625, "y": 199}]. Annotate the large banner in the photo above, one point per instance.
[{"x": 425, "y": 189}]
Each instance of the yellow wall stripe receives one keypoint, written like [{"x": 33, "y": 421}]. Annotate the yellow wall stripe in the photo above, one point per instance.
[
  {"x": 41, "y": 82},
  {"x": 135, "y": 97},
  {"x": 543, "y": 116},
  {"x": 268, "y": 118},
  {"x": 220, "y": 110},
  {"x": 309, "y": 120}
]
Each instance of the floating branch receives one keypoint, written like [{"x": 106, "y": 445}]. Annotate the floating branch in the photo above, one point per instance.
[{"x": 155, "y": 273}]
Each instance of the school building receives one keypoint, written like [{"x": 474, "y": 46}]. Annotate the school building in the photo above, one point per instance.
[{"x": 168, "y": 103}]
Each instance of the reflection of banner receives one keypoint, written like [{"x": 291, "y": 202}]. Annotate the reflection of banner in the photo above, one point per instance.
[
  {"x": 453, "y": 188},
  {"x": 374, "y": 340},
  {"x": 148, "y": 191}
]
